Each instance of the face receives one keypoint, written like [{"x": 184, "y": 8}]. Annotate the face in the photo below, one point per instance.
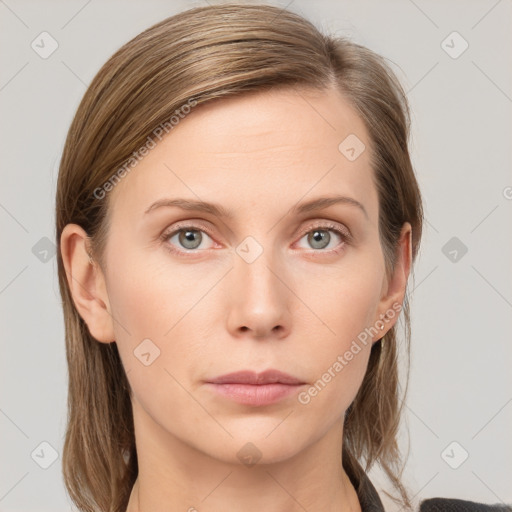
[{"x": 267, "y": 283}]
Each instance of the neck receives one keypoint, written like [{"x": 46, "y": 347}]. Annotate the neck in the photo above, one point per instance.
[{"x": 175, "y": 476}]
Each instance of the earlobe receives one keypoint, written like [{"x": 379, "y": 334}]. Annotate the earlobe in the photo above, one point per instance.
[
  {"x": 394, "y": 292},
  {"x": 86, "y": 283}
]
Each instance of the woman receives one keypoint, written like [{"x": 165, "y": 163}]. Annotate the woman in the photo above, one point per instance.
[{"x": 237, "y": 216}]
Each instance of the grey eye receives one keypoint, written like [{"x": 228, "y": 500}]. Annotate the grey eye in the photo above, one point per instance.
[
  {"x": 319, "y": 238},
  {"x": 190, "y": 238}
]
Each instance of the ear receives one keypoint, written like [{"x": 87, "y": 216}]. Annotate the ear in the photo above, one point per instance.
[
  {"x": 393, "y": 290},
  {"x": 86, "y": 283}
]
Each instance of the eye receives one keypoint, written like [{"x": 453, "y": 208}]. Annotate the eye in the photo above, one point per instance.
[
  {"x": 186, "y": 238},
  {"x": 320, "y": 237}
]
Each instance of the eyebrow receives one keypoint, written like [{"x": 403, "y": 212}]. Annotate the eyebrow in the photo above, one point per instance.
[{"x": 217, "y": 210}]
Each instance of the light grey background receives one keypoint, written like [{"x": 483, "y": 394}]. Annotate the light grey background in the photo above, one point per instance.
[{"x": 460, "y": 386}]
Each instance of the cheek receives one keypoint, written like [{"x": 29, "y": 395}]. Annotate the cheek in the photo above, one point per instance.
[
  {"x": 139, "y": 302},
  {"x": 153, "y": 307},
  {"x": 345, "y": 298},
  {"x": 346, "y": 303},
  {"x": 338, "y": 382},
  {"x": 156, "y": 309},
  {"x": 149, "y": 295}
]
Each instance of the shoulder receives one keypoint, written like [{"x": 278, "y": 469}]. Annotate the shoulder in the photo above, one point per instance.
[{"x": 456, "y": 505}]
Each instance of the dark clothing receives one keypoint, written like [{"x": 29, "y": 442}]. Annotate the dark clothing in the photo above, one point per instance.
[
  {"x": 370, "y": 501},
  {"x": 455, "y": 505}
]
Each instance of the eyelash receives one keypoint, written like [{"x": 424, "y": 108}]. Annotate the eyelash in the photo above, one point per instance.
[{"x": 322, "y": 226}]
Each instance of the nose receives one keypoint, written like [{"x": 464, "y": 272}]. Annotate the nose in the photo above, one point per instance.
[{"x": 259, "y": 299}]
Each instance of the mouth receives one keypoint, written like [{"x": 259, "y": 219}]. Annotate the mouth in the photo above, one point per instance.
[{"x": 256, "y": 389}]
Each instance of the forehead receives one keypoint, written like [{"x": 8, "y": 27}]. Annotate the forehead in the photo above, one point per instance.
[{"x": 253, "y": 149}]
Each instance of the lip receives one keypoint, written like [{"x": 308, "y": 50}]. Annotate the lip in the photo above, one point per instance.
[
  {"x": 250, "y": 377},
  {"x": 256, "y": 389}
]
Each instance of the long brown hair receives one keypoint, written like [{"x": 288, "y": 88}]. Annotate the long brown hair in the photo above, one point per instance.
[{"x": 200, "y": 55}]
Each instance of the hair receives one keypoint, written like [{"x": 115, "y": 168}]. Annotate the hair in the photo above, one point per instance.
[{"x": 205, "y": 54}]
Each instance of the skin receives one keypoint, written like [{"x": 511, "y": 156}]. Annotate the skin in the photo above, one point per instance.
[{"x": 296, "y": 307}]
